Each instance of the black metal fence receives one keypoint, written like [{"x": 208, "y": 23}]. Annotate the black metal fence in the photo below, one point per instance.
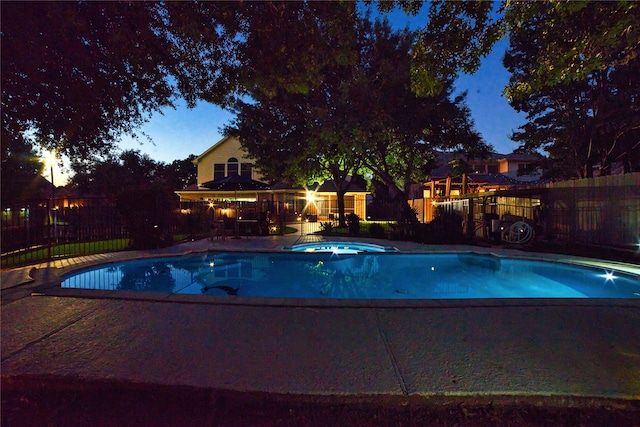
[{"x": 38, "y": 230}]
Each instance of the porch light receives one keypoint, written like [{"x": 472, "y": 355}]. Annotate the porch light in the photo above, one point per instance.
[{"x": 311, "y": 197}]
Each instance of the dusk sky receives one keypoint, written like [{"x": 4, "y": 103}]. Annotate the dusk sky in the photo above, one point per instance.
[
  {"x": 178, "y": 133},
  {"x": 181, "y": 132}
]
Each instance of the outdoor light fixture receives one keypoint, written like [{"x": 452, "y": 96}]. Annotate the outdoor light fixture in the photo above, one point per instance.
[{"x": 311, "y": 197}]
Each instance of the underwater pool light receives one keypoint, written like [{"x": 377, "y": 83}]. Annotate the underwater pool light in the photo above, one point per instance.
[{"x": 609, "y": 276}]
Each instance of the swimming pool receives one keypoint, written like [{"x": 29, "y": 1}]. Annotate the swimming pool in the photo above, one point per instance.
[{"x": 354, "y": 274}]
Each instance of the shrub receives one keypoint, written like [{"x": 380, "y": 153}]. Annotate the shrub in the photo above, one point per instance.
[
  {"x": 376, "y": 231},
  {"x": 446, "y": 227},
  {"x": 353, "y": 224},
  {"x": 326, "y": 227},
  {"x": 147, "y": 215}
]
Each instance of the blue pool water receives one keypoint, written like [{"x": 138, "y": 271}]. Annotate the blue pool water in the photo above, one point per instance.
[{"x": 357, "y": 274}]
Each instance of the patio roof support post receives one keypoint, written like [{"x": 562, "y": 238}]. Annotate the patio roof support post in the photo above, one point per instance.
[{"x": 463, "y": 190}]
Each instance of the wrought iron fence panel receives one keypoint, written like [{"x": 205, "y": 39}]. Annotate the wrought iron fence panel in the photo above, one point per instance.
[{"x": 40, "y": 230}]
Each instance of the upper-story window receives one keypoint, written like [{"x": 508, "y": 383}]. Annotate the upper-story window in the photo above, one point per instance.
[
  {"x": 233, "y": 166},
  {"x": 524, "y": 168},
  {"x": 218, "y": 170},
  {"x": 492, "y": 168},
  {"x": 246, "y": 169},
  {"x": 479, "y": 168}
]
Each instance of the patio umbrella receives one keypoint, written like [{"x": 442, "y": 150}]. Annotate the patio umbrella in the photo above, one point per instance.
[{"x": 235, "y": 183}]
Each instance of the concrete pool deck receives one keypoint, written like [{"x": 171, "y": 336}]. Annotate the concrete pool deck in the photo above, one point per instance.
[{"x": 557, "y": 352}]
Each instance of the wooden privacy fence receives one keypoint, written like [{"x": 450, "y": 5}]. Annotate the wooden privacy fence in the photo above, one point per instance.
[
  {"x": 603, "y": 210},
  {"x": 600, "y": 211}
]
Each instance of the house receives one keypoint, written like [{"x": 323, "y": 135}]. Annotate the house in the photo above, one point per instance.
[
  {"x": 252, "y": 196},
  {"x": 497, "y": 172}
]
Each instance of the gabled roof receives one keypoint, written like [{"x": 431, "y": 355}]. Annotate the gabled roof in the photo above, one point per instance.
[
  {"x": 329, "y": 186},
  {"x": 213, "y": 148},
  {"x": 494, "y": 179},
  {"x": 529, "y": 157},
  {"x": 443, "y": 159}
]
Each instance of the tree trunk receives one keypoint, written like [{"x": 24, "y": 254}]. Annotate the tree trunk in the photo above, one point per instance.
[{"x": 341, "y": 216}]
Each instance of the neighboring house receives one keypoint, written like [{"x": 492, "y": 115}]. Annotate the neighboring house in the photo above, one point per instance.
[
  {"x": 498, "y": 172},
  {"x": 227, "y": 158}
]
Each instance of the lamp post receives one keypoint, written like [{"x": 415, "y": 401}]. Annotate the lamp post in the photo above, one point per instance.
[
  {"x": 55, "y": 208},
  {"x": 49, "y": 216}
]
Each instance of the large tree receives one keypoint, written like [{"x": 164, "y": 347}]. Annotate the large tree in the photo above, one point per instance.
[
  {"x": 115, "y": 173},
  {"x": 576, "y": 73},
  {"x": 296, "y": 132},
  {"x": 97, "y": 70},
  {"x": 142, "y": 188},
  {"x": 362, "y": 115},
  {"x": 394, "y": 130},
  {"x": 75, "y": 75}
]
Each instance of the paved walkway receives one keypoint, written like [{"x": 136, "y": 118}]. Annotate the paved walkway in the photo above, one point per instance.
[{"x": 559, "y": 352}]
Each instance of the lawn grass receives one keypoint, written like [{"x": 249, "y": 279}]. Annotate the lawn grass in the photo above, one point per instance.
[{"x": 63, "y": 250}]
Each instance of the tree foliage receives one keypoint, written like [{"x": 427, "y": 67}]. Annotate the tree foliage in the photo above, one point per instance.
[
  {"x": 97, "y": 70},
  {"x": 455, "y": 38},
  {"x": 130, "y": 169},
  {"x": 295, "y": 130},
  {"x": 576, "y": 73},
  {"x": 397, "y": 131},
  {"x": 361, "y": 116},
  {"x": 142, "y": 188},
  {"x": 80, "y": 73},
  {"x": 21, "y": 168}
]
